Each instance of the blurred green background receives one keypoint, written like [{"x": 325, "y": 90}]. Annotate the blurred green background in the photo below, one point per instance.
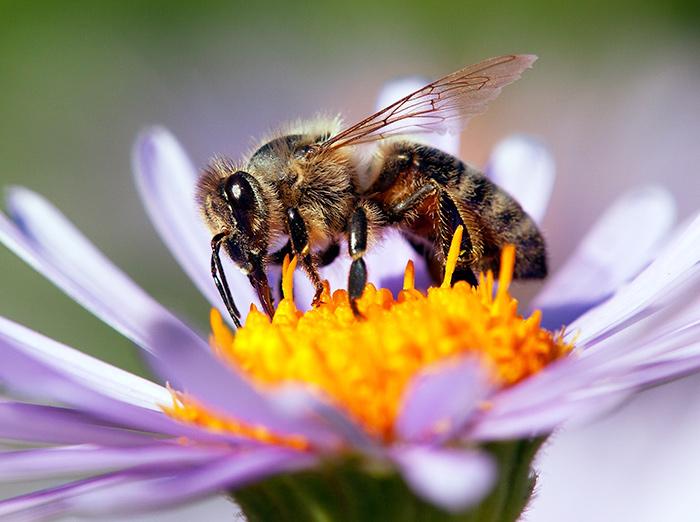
[{"x": 614, "y": 95}]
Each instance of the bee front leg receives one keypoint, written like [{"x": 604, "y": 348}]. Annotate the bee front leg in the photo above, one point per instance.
[
  {"x": 299, "y": 238},
  {"x": 357, "y": 245}
]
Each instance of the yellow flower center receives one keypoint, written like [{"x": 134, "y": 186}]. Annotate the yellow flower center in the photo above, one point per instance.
[{"x": 365, "y": 365}]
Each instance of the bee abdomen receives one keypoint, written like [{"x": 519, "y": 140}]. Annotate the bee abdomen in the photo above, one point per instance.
[{"x": 510, "y": 224}]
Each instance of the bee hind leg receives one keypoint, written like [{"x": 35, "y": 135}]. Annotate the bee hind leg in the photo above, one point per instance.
[{"x": 450, "y": 219}]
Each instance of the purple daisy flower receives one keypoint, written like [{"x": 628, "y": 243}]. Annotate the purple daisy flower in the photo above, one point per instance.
[{"x": 626, "y": 294}]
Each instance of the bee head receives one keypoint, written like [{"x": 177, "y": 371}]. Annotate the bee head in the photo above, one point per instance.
[
  {"x": 236, "y": 212},
  {"x": 248, "y": 230}
]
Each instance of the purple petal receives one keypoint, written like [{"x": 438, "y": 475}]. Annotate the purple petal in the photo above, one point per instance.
[
  {"x": 51, "y": 503},
  {"x": 142, "y": 494},
  {"x": 624, "y": 353},
  {"x": 45, "y": 463},
  {"x": 449, "y": 478},
  {"x": 397, "y": 89},
  {"x": 53, "y": 246},
  {"x": 166, "y": 180},
  {"x": 618, "y": 246},
  {"x": 538, "y": 404},
  {"x": 49, "y": 424},
  {"x": 616, "y": 364},
  {"x": 608, "y": 361},
  {"x": 661, "y": 370},
  {"x": 567, "y": 388},
  {"x": 299, "y": 402},
  {"x": 82, "y": 368},
  {"x": 441, "y": 400},
  {"x": 45, "y": 239},
  {"x": 38, "y": 367},
  {"x": 524, "y": 168},
  {"x": 676, "y": 267},
  {"x": 543, "y": 418}
]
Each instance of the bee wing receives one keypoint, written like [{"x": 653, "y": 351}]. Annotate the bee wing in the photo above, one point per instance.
[{"x": 440, "y": 104}]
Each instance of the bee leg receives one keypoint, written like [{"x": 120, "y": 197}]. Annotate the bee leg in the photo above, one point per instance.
[
  {"x": 277, "y": 258},
  {"x": 357, "y": 244},
  {"x": 399, "y": 210},
  {"x": 299, "y": 238},
  {"x": 450, "y": 219},
  {"x": 219, "y": 276},
  {"x": 322, "y": 258},
  {"x": 328, "y": 255}
]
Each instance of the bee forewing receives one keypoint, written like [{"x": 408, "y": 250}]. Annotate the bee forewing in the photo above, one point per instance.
[
  {"x": 399, "y": 88},
  {"x": 440, "y": 106}
]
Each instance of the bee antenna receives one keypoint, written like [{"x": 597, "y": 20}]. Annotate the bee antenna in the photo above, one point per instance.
[{"x": 217, "y": 272}]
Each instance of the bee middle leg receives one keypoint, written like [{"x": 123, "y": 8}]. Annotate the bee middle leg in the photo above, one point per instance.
[
  {"x": 358, "y": 230},
  {"x": 323, "y": 258},
  {"x": 299, "y": 239}
]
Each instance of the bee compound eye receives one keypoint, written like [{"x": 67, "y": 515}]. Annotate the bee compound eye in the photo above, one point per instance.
[{"x": 239, "y": 192}]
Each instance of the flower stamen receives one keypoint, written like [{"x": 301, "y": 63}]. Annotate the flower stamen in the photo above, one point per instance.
[{"x": 452, "y": 257}]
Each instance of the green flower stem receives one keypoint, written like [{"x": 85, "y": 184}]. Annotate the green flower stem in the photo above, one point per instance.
[{"x": 353, "y": 490}]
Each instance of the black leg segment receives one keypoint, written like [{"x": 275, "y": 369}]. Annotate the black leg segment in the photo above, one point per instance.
[
  {"x": 299, "y": 238},
  {"x": 323, "y": 258},
  {"x": 327, "y": 256},
  {"x": 450, "y": 219},
  {"x": 357, "y": 245},
  {"x": 277, "y": 258},
  {"x": 217, "y": 272},
  {"x": 357, "y": 279}
]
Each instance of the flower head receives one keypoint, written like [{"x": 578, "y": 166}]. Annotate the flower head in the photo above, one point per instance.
[
  {"x": 331, "y": 351},
  {"x": 415, "y": 398}
]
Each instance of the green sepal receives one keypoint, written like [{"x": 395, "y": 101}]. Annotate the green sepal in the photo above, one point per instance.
[{"x": 356, "y": 490}]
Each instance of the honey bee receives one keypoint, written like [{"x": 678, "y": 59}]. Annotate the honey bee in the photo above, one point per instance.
[{"x": 309, "y": 185}]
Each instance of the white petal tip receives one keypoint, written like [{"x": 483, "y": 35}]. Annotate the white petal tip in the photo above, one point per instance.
[
  {"x": 18, "y": 197},
  {"x": 149, "y": 143},
  {"x": 523, "y": 167}
]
